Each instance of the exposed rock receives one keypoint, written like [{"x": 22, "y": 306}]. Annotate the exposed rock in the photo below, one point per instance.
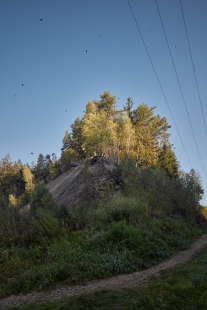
[{"x": 97, "y": 178}]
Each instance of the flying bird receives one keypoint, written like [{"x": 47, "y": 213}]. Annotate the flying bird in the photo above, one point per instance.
[
  {"x": 86, "y": 51},
  {"x": 31, "y": 153},
  {"x": 65, "y": 110},
  {"x": 22, "y": 84},
  {"x": 41, "y": 19},
  {"x": 175, "y": 45}
]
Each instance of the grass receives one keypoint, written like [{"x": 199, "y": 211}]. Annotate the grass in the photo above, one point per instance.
[
  {"x": 120, "y": 237},
  {"x": 49, "y": 246},
  {"x": 182, "y": 288}
]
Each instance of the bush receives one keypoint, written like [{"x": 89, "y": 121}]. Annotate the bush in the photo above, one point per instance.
[
  {"x": 45, "y": 224},
  {"x": 41, "y": 198}
]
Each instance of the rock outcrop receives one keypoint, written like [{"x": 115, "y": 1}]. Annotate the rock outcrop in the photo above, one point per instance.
[{"x": 96, "y": 179}]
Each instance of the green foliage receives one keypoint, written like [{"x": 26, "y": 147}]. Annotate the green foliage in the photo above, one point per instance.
[
  {"x": 13, "y": 201},
  {"x": 77, "y": 137},
  {"x": 28, "y": 178},
  {"x": 66, "y": 142},
  {"x": 45, "y": 224},
  {"x": 11, "y": 179},
  {"x": 204, "y": 211},
  {"x": 55, "y": 169},
  {"x": 50, "y": 245},
  {"x": 68, "y": 157},
  {"x": 41, "y": 198},
  {"x": 167, "y": 161},
  {"x": 181, "y": 288}
]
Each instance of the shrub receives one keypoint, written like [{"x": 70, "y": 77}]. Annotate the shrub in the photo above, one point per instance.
[
  {"x": 41, "y": 198},
  {"x": 45, "y": 224}
]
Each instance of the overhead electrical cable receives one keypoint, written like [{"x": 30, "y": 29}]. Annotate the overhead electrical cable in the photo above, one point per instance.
[
  {"x": 193, "y": 66},
  {"x": 181, "y": 90},
  {"x": 159, "y": 82}
]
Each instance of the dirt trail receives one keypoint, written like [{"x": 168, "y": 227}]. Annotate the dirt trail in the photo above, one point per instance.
[{"x": 139, "y": 278}]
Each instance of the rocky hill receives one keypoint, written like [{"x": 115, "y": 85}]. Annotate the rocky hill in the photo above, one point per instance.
[{"x": 95, "y": 179}]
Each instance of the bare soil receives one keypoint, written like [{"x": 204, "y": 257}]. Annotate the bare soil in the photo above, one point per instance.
[{"x": 136, "y": 279}]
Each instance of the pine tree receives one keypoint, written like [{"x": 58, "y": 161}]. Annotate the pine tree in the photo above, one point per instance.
[
  {"x": 66, "y": 141},
  {"x": 167, "y": 161},
  {"x": 42, "y": 167},
  {"x": 107, "y": 104},
  {"x": 76, "y": 141}
]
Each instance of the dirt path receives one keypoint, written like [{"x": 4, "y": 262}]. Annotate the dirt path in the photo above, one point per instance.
[{"x": 139, "y": 278}]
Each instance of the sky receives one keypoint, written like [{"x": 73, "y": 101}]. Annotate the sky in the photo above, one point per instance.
[{"x": 127, "y": 54}]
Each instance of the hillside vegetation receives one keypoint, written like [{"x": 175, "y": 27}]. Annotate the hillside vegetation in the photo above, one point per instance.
[
  {"x": 181, "y": 288},
  {"x": 154, "y": 217},
  {"x": 132, "y": 211}
]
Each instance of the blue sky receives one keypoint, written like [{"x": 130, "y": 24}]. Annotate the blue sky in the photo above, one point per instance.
[{"x": 49, "y": 57}]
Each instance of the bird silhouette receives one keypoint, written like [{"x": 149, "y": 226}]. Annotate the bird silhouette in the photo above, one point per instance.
[
  {"x": 41, "y": 19},
  {"x": 31, "y": 153},
  {"x": 22, "y": 84},
  {"x": 65, "y": 110},
  {"x": 86, "y": 51}
]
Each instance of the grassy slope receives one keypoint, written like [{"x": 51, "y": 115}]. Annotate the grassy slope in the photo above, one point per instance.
[
  {"x": 183, "y": 288},
  {"x": 149, "y": 223}
]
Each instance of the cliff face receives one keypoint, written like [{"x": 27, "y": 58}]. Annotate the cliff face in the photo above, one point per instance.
[{"x": 95, "y": 179}]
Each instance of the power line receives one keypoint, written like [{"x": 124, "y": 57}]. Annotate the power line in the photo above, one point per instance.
[
  {"x": 159, "y": 82},
  {"x": 193, "y": 66},
  {"x": 180, "y": 88}
]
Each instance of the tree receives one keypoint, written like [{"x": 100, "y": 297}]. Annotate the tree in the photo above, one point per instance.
[
  {"x": 67, "y": 157},
  {"x": 41, "y": 198},
  {"x": 192, "y": 183},
  {"x": 99, "y": 126},
  {"x": 77, "y": 139},
  {"x": 98, "y": 134},
  {"x": 124, "y": 136},
  {"x": 149, "y": 132},
  {"x": 29, "y": 180},
  {"x": 55, "y": 169},
  {"x": 66, "y": 142},
  {"x": 11, "y": 177},
  {"x": 107, "y": 104},
  {"x": 204, "y": 211},
  {"x": 42, "y": 168},
  {"x": 167, "y": 161}
]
